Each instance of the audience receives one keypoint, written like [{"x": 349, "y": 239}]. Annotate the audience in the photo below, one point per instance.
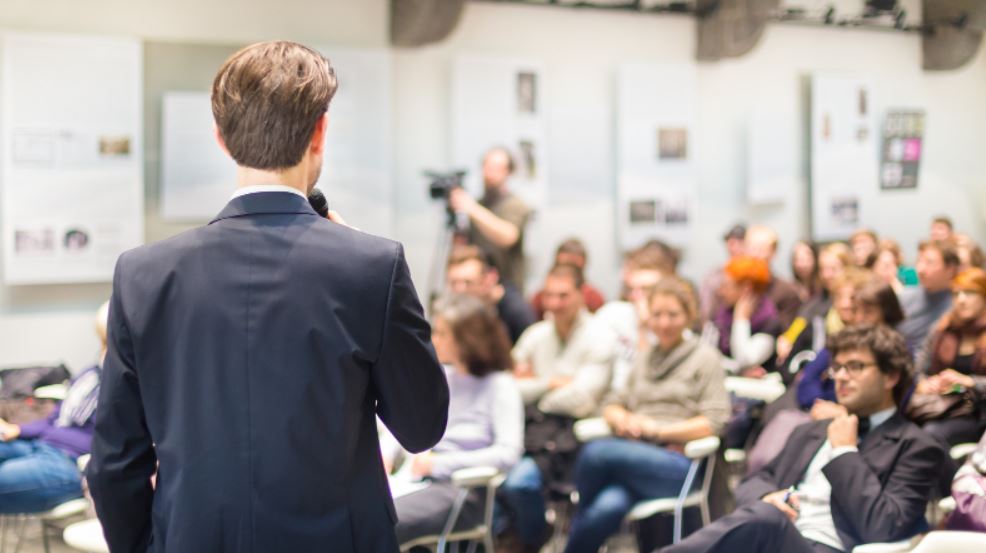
[
  {"x": 563, "y": 366},
  {"x": 485, "y": 422},
  {"x": 941, "y": 229},
  {"x": 747, "y": 321},
  {"x": 863, "y": 243},
  {"x": 804, "y": 268},
  {"x": 675, "y": 394},
  {"x": 469, "y": 272},
  {"x": 38, "y": 467},
  {"x": 735, "y": 241},
  {"x": 888, "y": 265},
  {"x": 950, "y": 399},
  {"x": 936, "y": 267},
  {"x": 571, "y": 252},
  {"x": 970, "y": 254},
  {"x": 761, "y": 242},
  {"x": 864, "y": 476}
]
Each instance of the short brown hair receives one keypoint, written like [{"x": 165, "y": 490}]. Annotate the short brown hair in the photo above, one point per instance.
[
  {"x": 461, "y": 254},
  {"x": 479, "y": 334},
  {"x": 572, "y": 246},
  {"x": 567, "y": 270},
  {"x": 679, "y": 290},
  {"x": 879, "y": 294},
  {"x": 267, "y": 99},
  {"x": 943, "y": 220},
  {"x": 887, "y": 346},
  {"x": 946, "y": 248}
]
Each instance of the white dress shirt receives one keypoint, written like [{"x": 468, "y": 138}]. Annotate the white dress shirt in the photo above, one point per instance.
[
  {"x": 265, "y": 188},
  {"x": 814, "y": 493}
]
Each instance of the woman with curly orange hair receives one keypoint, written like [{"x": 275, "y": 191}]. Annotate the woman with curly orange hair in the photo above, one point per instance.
[{"x": 747, "y": 321}]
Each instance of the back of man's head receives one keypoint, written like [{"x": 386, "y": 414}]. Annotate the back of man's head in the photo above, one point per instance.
[{"x": 267, "y": 99}]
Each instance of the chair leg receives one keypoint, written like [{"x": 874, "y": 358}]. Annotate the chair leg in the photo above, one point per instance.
[{"x": 453, "y": 517}]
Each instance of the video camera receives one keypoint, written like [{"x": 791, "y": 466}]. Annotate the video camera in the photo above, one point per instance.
[{"x": 442, "y": 184}]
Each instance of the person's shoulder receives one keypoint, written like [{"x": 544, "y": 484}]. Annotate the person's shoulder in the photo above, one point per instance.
[{"x": 537, "y": 332}]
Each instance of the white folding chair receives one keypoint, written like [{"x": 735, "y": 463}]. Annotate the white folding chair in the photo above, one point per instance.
[
  {"x": 699, "y": 451},
  {"x": 466, "y": 480}
]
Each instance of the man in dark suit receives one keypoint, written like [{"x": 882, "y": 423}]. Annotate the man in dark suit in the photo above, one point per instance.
[
  {"x": 862, "y": 477},
  {"x": 249, "y": 357}
]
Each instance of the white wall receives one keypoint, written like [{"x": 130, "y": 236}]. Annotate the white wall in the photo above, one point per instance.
[{"x": 581, "y": 50}]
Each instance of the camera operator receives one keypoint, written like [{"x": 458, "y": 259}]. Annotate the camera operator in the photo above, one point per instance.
[{"x": 497, "y": 220}]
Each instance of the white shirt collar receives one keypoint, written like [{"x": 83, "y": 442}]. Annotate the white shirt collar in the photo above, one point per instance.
[
  {"x": 880, "y": 417},
  {"x": 265, "y": 188}
]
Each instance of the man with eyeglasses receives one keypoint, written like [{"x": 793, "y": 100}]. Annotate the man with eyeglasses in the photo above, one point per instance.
[{"x": 862, "y": 477}]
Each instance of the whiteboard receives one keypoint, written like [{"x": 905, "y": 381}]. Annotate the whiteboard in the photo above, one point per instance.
[
  {"x": 72, "y": 162},
  {"x": 197, "y": 178}
]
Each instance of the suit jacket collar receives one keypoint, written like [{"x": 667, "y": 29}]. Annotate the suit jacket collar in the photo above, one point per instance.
[
  {"x": 890, "y": 431},
  {"x": 265, "y": 203}
]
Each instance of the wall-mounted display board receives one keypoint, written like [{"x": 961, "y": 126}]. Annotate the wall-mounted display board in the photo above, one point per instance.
[
  {"x": 72, "y": 161},
  {"x": 844, "y": 161},
  {"x": 501, "y": 102},
  {"x": 656, "y": 160}
]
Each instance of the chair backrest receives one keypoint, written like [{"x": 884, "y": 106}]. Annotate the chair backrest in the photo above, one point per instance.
[
  {"x": 951, "y": 542},
  {"x": 801, "y": 359}
]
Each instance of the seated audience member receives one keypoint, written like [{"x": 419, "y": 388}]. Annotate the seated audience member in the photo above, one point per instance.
[
  {"x": 950, "y": 399},
  {"x": 626, "y": 317},
  {"x": 969, "y": 492},
  {"x": 969, "y": 252},
  {"x": 676, "y": 394},
  {"x": 863, "y": 243},
  {"x": 469, "y": 272},
  {"x": 761, "y": 242},
  {"x": 833, "y": 260},
  {"x": 563, "y": 366},
  {"x": 485, "y": 421},
  {"x": 747, "y": 321},
  {"x": 862, "y": 477},
  {"x": 936, "y": 267},
  {"x": 887, "y": 265},
  {"x": 708, "y": 301},
  {"x": 38, "y": 467},
  {"x": 804, "y": 267},
  {"x": 941, "y": 229},
  {"x": 571, "y": 252},
  {"x": 873, "y": 303}
]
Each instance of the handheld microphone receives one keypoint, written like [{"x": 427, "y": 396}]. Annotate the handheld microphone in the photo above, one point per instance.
[{"x": 319, "y": 203}]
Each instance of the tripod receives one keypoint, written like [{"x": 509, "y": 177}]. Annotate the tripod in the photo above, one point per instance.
[{"x": 439, "y": 256}]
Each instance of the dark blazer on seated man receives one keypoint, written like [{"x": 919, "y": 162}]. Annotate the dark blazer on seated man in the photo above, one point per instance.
[
  {"x": 825, "y": 493},
  {"x": 250, "y": 358}
]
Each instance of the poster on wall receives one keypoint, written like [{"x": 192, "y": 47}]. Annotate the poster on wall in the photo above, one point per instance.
[
  {"x": 72, "y": 179},
  {"x": 903, "y": 132},
  {"x": 656, "y": 154},
  {"x": 844, "y": 163},
  {"x": 197, "y": 178},
  {"x": 513, "y": 115}
]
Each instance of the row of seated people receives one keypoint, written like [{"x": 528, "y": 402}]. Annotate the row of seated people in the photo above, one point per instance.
[
  {"x": 615, "y": 363},
  {"x": 38, "y": 456}
]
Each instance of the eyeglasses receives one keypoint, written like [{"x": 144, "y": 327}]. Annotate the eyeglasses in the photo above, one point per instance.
[{"x": 853, "y": 368}]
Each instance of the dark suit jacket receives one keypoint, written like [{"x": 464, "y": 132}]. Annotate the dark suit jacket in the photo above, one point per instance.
[
  {"x": 878, "y": 494},
  {"x": 249, "y": 357}
]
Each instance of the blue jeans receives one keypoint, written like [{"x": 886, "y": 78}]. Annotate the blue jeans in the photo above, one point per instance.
[
  {"x": 612, "y": 475},
  {"x": 35, "y": 477},
  {"x": 521, "y": 492}
]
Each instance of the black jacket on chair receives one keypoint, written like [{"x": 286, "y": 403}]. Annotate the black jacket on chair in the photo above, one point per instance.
[
  {"x": 249, "y": 358},
  {"x": 878, "y": 494}
]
